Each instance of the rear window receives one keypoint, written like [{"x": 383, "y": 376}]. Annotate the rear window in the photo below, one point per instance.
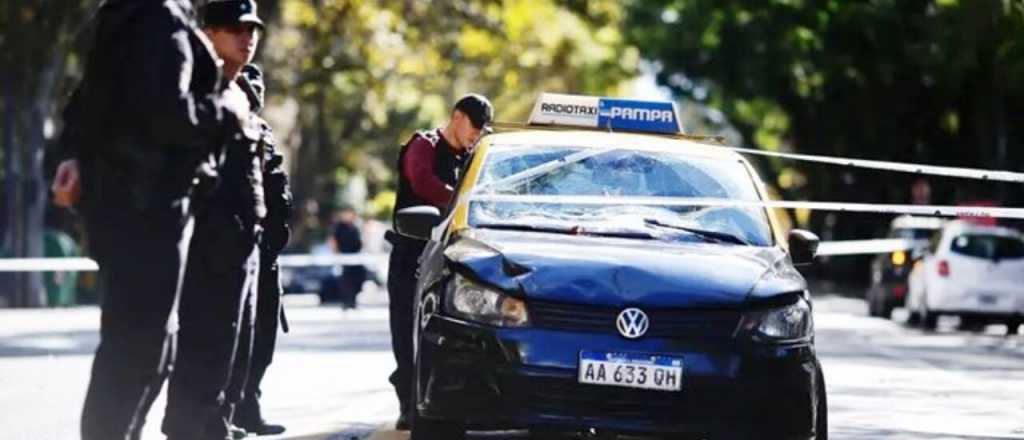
[
  {"x": 990, "y": 247},
  {"x": 911, "y": 233}
]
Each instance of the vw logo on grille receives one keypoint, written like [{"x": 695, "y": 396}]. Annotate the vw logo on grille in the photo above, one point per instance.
[{"x": 632, "y": 323}]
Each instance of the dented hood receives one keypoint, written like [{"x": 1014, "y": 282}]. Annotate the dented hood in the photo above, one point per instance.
[{"x": 621, "y": 272}]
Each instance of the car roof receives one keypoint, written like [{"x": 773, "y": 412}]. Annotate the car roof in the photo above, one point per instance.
[
  {"x": 601, "y": 139},
  {"x": 969, "y": 227}
]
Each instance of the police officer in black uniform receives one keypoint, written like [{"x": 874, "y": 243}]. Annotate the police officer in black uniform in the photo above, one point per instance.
[
  {"x": 219, "y": 292},
  {"x": 145, "y": 116},
  {"x": 269, "y": 311},
  {"x": 429, "y": 166}
]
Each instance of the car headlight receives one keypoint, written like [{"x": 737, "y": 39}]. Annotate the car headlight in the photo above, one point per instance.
[
  {"x": 468, "y": 300},
  {"x": 790, "y": 324}
]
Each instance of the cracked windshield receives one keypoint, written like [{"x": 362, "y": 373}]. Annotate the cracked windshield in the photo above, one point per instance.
[{"x": 651, "y": 192}]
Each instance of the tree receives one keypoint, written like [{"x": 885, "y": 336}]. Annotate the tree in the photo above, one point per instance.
[
  {"x": 930, "y": 81},
  {"x": 358, "y": 78},
  {"x": 35, "y": 52},
  {"x": 903, "y": 80}
]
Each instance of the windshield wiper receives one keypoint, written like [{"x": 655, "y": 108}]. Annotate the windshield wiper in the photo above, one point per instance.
[
  {"x": 525, "y": 227},
  {"x": 572, "y": 230},
  {"x": 714, "y": 235}
]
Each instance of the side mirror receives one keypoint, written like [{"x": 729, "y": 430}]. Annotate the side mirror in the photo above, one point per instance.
[
  {"x": 417, "y": 221},
  {"x": 803, "y": 246}
]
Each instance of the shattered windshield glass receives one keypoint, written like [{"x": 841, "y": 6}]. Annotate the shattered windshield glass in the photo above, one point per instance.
[{"x": 632, "y": 181}]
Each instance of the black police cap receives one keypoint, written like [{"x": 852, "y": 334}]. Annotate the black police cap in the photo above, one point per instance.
[
  {"x": 230, "y": 13},
  {"x": 478, "y": 108}
]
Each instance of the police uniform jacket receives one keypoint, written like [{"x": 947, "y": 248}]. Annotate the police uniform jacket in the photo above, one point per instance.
[{"x": 146, "y": 119}]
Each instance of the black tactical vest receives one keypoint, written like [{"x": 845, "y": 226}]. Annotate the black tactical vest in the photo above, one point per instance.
[{"x": 447, "y": 166}]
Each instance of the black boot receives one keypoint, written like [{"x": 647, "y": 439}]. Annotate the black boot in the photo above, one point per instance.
[
  {"x": 221, "y": 427},
  {"x": 249, "y": 417},
  {"x": 402, "y": 424}
]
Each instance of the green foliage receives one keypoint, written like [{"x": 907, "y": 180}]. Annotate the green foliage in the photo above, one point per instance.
[
  {"x": 917, "y": 80},
  {"x": 367, "y": 74}
]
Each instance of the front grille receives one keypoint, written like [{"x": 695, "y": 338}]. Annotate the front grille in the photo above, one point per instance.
[{"x": 664, "y": 322}]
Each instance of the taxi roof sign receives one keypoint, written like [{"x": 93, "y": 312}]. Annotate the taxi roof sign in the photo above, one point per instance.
[{"x": 606, "y": 113}]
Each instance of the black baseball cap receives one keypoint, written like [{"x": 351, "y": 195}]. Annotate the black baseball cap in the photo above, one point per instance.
[
  {"x": 478, "y": 108},
  {"x": 230, "y": 13}
]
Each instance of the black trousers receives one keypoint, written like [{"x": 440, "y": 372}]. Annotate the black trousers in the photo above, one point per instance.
[
  {"x": 215, "y": 341},
  {"x": 142, "y": 256},
  {"x": 268, "y": 315},
  {"x": 402, "y": 267}
]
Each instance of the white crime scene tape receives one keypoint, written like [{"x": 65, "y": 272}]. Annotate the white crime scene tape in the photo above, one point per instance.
[
  {"x": 923, "y": 210},
  {"x": 860, "y": 247},
  {"x": 903, "y": 167},
  {"x": 67, "y": 264},
  {"x": 82, "y": 264}
]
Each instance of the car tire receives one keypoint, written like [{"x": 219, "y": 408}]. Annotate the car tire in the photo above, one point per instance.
[
  {"x": 929, "y": 320},
  {"x": 885, "y": 311},
  {"x": 974, "y": 325},
  {"x": 872, "y": 304},
  {"x": 913, "y": 318},
  {"x": 431, "y": 429},
  {"x": 435, "y": 429},
  {"x": 821, "y": 408},
  {"x": 1012, "y": 328},
  {"x": 423, "y": 428}
]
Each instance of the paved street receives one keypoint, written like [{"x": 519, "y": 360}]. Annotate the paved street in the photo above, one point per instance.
[{"x": 329, "y": 379}]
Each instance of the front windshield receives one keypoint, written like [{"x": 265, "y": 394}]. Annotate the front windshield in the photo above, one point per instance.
[{"x": 631, "y": 180}]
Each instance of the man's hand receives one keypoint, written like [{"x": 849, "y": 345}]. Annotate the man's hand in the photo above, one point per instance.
[{"x": 67, "y": 184}]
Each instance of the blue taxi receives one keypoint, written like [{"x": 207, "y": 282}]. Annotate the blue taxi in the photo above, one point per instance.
[{"x": 602, "y": 272}]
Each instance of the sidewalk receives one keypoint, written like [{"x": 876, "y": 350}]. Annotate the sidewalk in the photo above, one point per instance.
[{"x": 328, "y": 379}]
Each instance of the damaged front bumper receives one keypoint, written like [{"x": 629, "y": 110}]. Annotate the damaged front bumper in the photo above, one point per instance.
[{"x": 498, "y": 378}]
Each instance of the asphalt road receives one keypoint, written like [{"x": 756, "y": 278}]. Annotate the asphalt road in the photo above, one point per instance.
[{"x": 329, "y": 379}]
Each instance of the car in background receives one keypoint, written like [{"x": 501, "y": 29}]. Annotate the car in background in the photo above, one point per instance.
[
  {"x": 889, "y": 270},
  {"x": 612, "y": 283},
  {"x": 972, "y": 271},
  {"x": 310, "y": 278}
]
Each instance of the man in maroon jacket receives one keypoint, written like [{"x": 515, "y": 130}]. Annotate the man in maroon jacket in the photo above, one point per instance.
[{"x": 429, "y": 166}]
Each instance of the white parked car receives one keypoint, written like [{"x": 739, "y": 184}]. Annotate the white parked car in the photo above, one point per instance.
[{"x": 972, "y": 271}]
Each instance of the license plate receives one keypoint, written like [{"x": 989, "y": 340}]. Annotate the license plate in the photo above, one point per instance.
[{"x": 633, "y": 370}]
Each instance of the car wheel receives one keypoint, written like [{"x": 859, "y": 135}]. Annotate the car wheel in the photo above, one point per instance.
[
  {"x": 929, "y": 320},
  {"x": 971, "y": 324},
  {"x": 425, "y": 428},
  {"x": 870, "y": 298},
  {"x": 422, "y": 428},
  {"x": 885, "y": 311},
  {"x": 821, "y": 408},
  {"x": 873, "y": 309},
  {"x": 435, "y": 429},
  {"x": 1012, "y": 328},
  {"x": 913, "y": 318}
]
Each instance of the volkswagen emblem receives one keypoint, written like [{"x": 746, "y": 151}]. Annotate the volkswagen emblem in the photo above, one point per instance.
[{"x": 632, "y": 323}]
